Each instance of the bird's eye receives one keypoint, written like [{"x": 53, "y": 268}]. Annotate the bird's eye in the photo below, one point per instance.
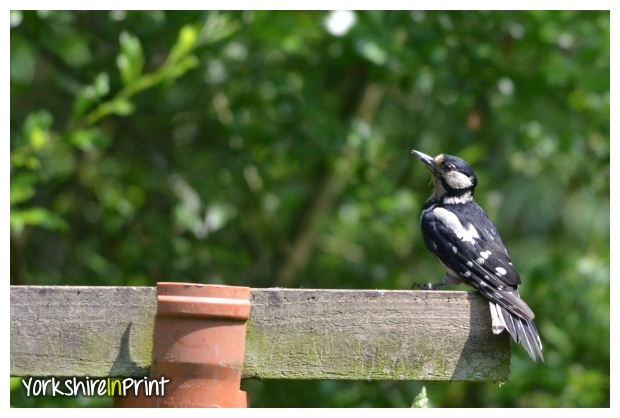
[{"x": 448, "y": 168}]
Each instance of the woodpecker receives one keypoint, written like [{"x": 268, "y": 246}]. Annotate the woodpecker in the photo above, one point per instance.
[{"x": 467, "y": 245}]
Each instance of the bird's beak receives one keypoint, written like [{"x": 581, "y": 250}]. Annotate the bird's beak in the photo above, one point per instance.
[{"x": 427, "y": 160}]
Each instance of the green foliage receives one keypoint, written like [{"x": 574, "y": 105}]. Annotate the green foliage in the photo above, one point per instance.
[
  {"x": 420, "y": 401},
  {"x": 131, "y": 58},
  {"x": 273, "y": 149}
]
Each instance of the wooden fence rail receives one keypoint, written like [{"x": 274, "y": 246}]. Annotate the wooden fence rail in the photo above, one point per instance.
[{"x": 67, "y": 331}]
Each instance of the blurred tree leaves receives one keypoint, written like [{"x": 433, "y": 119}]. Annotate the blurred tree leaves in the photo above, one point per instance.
[
  {"x": 273, "y": 149},
  {"x": 130, "y": 60}
]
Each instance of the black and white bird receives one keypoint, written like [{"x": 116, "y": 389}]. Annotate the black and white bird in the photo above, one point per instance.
[{"x": 466, "y": 243}]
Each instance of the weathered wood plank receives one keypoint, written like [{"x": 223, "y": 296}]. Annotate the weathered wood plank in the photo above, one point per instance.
[
  {"x": 373, "y": 335},
  {"x": 81, "y": 331},
  {"x": 292, "y": 334}
]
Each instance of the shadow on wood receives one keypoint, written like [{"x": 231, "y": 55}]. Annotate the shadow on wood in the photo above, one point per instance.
[
  {"x": 476, "y": 363},
  {"x": 124, "y": 362}
]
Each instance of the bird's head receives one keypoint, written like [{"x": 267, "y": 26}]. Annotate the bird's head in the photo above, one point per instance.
[{"x": 452, "y": 177}]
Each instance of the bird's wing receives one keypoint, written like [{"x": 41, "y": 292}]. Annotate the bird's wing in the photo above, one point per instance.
[
  {"x": 488, "y": 248},
  {"x": 478, "y": 260}
]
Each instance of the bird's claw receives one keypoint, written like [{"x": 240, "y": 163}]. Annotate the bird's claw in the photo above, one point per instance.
[{"x": 427, "y": 286}]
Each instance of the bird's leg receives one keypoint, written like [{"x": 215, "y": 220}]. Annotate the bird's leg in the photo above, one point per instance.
[{"x": 448, "y": 279}]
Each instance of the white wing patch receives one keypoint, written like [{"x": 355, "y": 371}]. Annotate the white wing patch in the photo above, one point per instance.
[
  {"x": 500, "y": 271},
  {"x": 450, "y": 220}
]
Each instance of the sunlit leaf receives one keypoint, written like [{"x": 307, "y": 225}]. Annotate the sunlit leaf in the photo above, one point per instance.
[
  {"x": 22, "y": 187},
  {"x": 184, "y": 44},
  {"x": 130, "y": 59},
  {"x": 89, "y": 139},
  {"x": 89, "y": 95},
  {"x": 122, "y": 107},
  {"x": 36, "y": 216}
]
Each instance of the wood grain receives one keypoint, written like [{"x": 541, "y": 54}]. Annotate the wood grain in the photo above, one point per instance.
[{"x": 292, "y": 334}]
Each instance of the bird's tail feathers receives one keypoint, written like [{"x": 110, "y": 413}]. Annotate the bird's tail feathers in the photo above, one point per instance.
[
  {"x": 497, "y": 318},
  {"x": 523, "y": 331}
]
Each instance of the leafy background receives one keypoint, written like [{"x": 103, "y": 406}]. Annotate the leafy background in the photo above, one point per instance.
[{"x": 273, "y": 149}]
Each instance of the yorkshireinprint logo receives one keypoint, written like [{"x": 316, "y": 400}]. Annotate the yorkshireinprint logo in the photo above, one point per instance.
[{"x": 94, "y": 387}]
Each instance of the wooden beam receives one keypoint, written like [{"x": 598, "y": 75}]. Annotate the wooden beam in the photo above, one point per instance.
[{"x": 292, "y": 334}]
